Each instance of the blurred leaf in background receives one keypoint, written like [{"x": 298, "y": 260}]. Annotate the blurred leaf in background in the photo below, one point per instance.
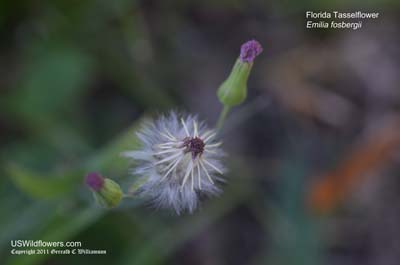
[{"x": 78, "y": 78}]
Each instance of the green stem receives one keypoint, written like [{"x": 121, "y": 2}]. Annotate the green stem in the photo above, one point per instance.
[
  {"x": 222, "y": 117},
  {"x": 128, "y": 195}
]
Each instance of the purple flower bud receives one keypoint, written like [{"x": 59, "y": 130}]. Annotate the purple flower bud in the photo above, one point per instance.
[
  {"x": 250, "y": 50},
  {"x": 94, "y": 181}
]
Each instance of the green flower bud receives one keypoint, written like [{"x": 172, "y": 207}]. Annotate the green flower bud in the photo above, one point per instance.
[
  {"x": 106, "y": 192},
  {"x": 233, "y": 90}
]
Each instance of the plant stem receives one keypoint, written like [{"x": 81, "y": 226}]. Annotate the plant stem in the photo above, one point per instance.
[{"x": 222, "y": 117}]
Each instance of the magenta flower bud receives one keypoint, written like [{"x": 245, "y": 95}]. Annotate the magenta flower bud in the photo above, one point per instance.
[
  {"x": 106, "y": 192},
  {"x": 94, "y": 181},
  {"x": 233, "y": 90},
  {"x": 250, "y": 50}
]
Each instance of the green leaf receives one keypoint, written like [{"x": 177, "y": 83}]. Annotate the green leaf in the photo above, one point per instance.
[
  {"x": 39, "y": 186},
  {"x": 53, "y": 79}
]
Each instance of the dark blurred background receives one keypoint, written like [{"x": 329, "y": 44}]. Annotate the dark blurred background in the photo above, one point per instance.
[{"x": 313, "y": 152}]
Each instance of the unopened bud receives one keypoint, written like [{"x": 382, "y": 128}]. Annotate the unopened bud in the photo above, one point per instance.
[
  {"x": 106, "y": 192},
  {"x": 233, "y": 90}
]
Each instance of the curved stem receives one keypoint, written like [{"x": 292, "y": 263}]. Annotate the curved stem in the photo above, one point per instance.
[{"x": 222, "y": 117}]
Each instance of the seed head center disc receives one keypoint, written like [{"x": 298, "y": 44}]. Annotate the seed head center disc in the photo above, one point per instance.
[{"x": 195, "y": 145}]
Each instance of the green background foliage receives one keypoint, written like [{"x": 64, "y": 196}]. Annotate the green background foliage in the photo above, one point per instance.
[{"x": 78, "y": 77}]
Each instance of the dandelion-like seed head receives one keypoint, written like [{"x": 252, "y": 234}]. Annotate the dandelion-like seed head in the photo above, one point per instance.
[{"x": 180, "y": 160}]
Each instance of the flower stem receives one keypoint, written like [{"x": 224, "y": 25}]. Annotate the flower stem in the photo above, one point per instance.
[
  {"x": 222, "y": 117},
  {"x": 128, "y": 195}
]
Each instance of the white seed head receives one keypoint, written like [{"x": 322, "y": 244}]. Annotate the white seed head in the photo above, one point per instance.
[{"x": 180, "y": 161}]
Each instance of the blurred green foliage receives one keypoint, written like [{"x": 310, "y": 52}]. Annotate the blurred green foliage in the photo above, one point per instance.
[{"x": 77, "y": 79}]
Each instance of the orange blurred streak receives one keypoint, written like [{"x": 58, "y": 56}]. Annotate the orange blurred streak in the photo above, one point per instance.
[{"x": 332, "y": 189}]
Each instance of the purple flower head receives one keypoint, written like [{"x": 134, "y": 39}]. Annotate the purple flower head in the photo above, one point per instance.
[
  {"x": 250, "y": 50},
  {"x": 94, "y": 181}
]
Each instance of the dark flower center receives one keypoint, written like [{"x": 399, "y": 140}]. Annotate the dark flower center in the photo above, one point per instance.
[{"x": 194, "y": 145}]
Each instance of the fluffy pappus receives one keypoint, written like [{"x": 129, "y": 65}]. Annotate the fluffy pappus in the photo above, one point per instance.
[{"x": 179, "y": 162}]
